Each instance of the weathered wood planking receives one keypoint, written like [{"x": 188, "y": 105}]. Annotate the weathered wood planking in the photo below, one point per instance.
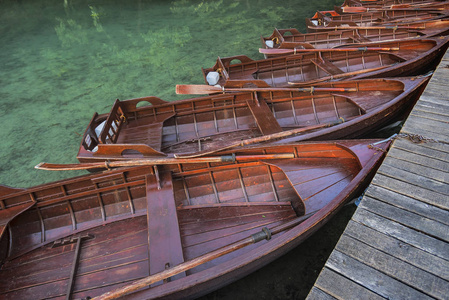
[
  {"x": 338, "y": 287},
  {"x": 397, "y": 244},
  {"x": 399, "y": 249}
]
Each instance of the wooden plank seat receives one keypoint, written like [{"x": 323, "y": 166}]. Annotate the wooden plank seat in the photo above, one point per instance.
[
  {"x": 266, "y": 122},
  {"x": 326, "y": 66},
  {"x": 164, "y": 239}
]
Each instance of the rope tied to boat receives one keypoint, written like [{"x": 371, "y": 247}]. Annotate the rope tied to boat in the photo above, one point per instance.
[
  {"x": 417, "y": 139},
  {"x": 413, "y": 137}
]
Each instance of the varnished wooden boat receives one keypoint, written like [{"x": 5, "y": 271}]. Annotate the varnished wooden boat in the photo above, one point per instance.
[
  {"x": 208, "y": 123},
  {"x": 396, "y": 17},
  {"x": 356, "y": 6},
  {"x": 96, "y": 234},
  {"x": 291, "y": 38},
  {"x": 403, "y": 58}
]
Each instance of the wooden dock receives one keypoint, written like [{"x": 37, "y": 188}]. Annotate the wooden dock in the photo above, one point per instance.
[{"x": 396, "y": 245}]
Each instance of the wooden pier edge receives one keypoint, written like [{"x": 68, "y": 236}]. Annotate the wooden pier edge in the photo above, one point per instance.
[{"x": 396, "y": 246}]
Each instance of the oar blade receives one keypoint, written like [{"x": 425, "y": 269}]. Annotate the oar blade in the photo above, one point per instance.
[
  {"x": 196, "y": 89},
  {"x": 275, "y": 51},
  {"x": 69, "y": 167},
  {"x": 350, "y": 9}
]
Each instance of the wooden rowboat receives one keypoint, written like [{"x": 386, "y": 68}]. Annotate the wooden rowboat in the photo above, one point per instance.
[
  {"x": 385, "y": 3},
  {"x": 403, "y": 58},
  {"x": 205, "y": 124},
  {"x": 183, "y": 230},
  {"x": 396, "y": 17},
  {"x": 291, "y": 38},
  {"x": 355, "y": 6}
]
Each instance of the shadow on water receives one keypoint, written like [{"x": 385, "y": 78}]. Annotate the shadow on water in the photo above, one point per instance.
[{"x": 62, "y": 60}]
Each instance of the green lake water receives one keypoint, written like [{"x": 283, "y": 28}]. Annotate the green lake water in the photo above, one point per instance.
[{"x": 63, "y": 60}]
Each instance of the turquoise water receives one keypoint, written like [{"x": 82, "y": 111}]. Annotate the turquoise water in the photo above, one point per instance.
[{"x": 62, "y": 60}]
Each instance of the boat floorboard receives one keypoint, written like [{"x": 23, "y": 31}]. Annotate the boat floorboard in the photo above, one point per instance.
[{"x": 396, "y": 245}]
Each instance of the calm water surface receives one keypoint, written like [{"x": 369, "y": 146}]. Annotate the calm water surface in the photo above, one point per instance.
[{"x": 63, "y": 60}]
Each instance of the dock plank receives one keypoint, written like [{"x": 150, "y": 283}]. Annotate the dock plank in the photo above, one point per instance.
[
  {"x": 402, "y": 271},
  {"x": 403, "y": 233},
  {"x": 317, "y": 294},
  {"x": 421, "y": 181},
  {"x": 341, "y": 287},
  {"x": 424, "y": 128},
  {"x": 420, "y": 159},
  {"x": 407, "y": 203},
  {"x": 406, "y": 218},
  {"x": 371, "y": 278},
  {"x": 422, "y": 170},
  {"x": 432, "y": 150},
  {"x": 410, "y": 190},
  {"x": 441, "y": 108},
  {"x": 430, "y": 115},
  {"x": 399, "y": 249}
]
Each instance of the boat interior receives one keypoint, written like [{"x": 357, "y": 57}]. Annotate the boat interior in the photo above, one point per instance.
[{"x": 158, "y": 217}]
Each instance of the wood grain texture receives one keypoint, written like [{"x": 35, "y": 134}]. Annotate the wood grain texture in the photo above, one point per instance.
[
  {"x": 370, "y": 278},
  {"x": 402, "y": 271},
  {"x": 341, "y": 287},
  {"x": 403, "y": 233},
  {"x": 399, "y": 249}
]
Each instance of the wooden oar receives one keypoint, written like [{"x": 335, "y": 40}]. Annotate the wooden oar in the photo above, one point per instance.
[
  {"x": 294, "y": 51},
  {"x": 262, "y": 139},
  {"x": 338, "y": 76},
  {"x": 157, "y": 161},
  {"x": 351, "y": 9},
  {"x": 366, "y": 27},
  {"x": 265, "y": 234},
  {"x": 194, "y": 89}
]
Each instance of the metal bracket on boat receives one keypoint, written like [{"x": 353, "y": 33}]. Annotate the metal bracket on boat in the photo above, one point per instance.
[
  {"x": 265, "y": 234},
  {"x": 71, "y": 240},
  {"x": 199, "y": 140},
  {"x": 228, "y": 158}
]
